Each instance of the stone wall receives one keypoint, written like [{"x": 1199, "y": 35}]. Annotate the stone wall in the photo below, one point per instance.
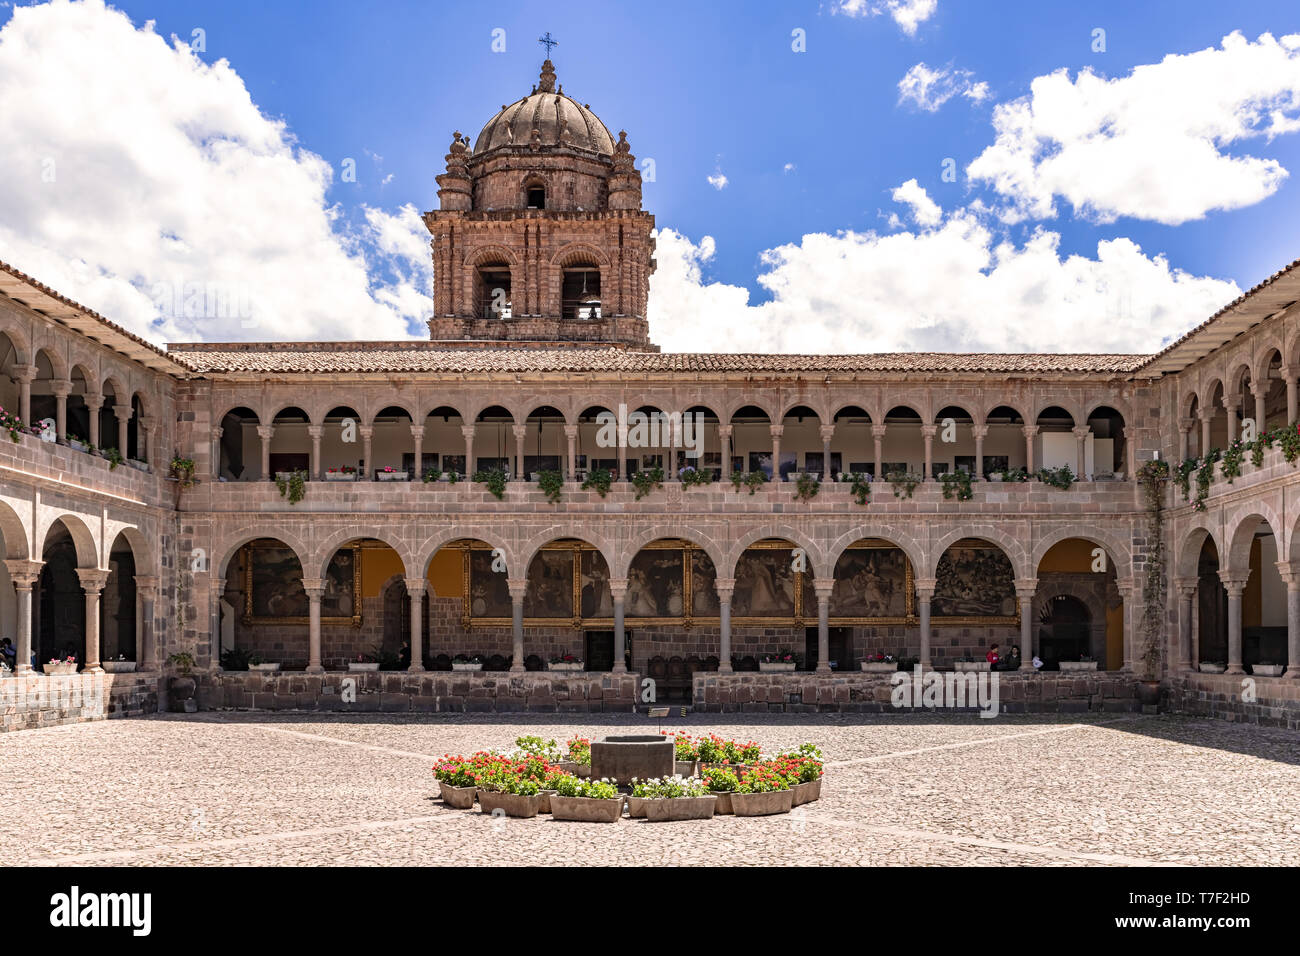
[
  {"x": 40, "y": 701},
  {"x": 1276, "y": 699},
  {"x": 441, "y": 692}
]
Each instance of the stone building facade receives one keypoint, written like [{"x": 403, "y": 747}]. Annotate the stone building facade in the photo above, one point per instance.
[{"x": 325, "y": 530}]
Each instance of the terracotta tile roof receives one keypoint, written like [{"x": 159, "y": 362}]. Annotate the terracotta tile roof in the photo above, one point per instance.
[{"x": 415, "y": 356}]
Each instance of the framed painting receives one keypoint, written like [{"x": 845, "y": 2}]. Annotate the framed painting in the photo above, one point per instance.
[
  {"x": 273, "y": 591},
  {"x": 974, "y": 584}
]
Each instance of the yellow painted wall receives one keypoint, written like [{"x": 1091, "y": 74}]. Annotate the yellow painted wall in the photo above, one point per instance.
[
  {"x": 1074, "y": 556},
  {"x": 379, "y": 564}
]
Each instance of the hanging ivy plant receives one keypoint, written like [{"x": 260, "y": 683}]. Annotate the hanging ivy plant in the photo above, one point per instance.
[
  {"x": 600, "y": 480},
  {"x": 494, "y": 480},
  {"x": 860, "y": 485},
  {"x": 957, "y": 483},
  {"x": 1289, "y": 438},
  {"x": 113, "y": 457},
  {"x": 294, "y": 487},
  {"x": 806, "y": 487},
  {"x": 1205, "y": 475},
  {"x": 903, "y": 483},
  {"x": 552, "y": 484},
  {"x": 647, "y": 481},
  {"x": 1062, "y": 477},
  {"x": 1184, "y": 478},
  {"x": 753, "y": 480},
  {"x": 695, "y": 476},
  {"x": 1152, "y": 476},
  {"x": 1232, "y": 459}
]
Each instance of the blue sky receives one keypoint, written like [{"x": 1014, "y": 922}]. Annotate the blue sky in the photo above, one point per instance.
[{"x": 810, "y": 143}]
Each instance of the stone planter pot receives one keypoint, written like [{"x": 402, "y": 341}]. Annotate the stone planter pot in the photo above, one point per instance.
[
  {"x": 636, "y": 807},
  {"x": 879, "y": 667},
  {"x": 566, "y": 666},
  {"x": 968, "y": 667},
  {"x": 1267, "y": 670},
  {"x": 363, "y": 665},
  {"x": 738, "y": 768},
  {"x": 265, "y": 668},
  {"x": 680, "y": 808},
  {"x": 624, "y": 757},
  {"x": 724, "y": 802},
  {"x": 1068, "y": 666},
  {"x": 61, "y": 669},
  {"x": 587, "y": 809},
  {"x": 458, "y": 798},
  {"x": 1148, "y": 693},
  {"x": 118, "y": 667},
  {"x": 466, "y": 666},
  {"x": 584, "y": 771},
  {"x": 81, "y": 446},
  {"x": 686, "y": 768},
  {"x": 806, "y": 792},
  {"x": 545, "y": 805},
  {"x": 511, "y": 804},
  {"x": 762, "y": 804},
  {"x": 1213, "y": 668},
  {"x": 138, "y": 465},
  {"x": 392, "y": 476},
  {"x": 180, "y": 693},
  {"x": 340, "y": 476},
  {"x": 568, "y": 766},
  {"x": 776, "y": 667}
]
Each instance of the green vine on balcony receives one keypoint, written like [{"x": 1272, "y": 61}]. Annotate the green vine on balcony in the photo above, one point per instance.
[
  {"x": 1062, "y": 478},
  {"x": 113, "y": 457},
  {"x": 1205, "y": 475},
  {"x": 1232, "y": 459},
  {"x": 1183, "y": 477},
  {"x": 806, "y": 487},
  {"x": 494, "y": 480},
  {"x": 860, "y": 486},
  {"x": 903, "y": 483},
  {"x": 294, "y": 487},
  {"x": 647, "y": 481},
  {"x": 552, "y": 485},
  {"x": 752, "y": 480},
  {"x": 600, "y": 480},
  {"x": 957, "y": 483},
  {"x": 690, "y": 475}
]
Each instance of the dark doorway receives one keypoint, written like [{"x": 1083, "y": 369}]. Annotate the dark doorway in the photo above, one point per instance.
[
  {"x": 60, "y": 604},
  {"x": 600, "y": 651},
  {"x": 840, "y": 641},
  {"x": 1064, "y": 631},
  {"x": 1212, "y": 606}
]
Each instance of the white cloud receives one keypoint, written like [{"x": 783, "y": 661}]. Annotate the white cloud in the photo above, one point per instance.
[
  {"x": 788, "y": 168},
  {"x": 718, "y": 181},
  {"x": 1152, "y": 144},
  {"x": 950, "y": 288},
  {"x": 930, "y": 88},
  {"x": 165, "y": 171},
  {"x": 908, "y": 14},
  {"x": 925, "y": 210}
]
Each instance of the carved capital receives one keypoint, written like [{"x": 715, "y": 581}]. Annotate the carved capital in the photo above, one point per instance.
[
  {"x": 60, "y": 389},
  {"x": 416, "y": 586},
  {"x": 122, "y": 412},
  {"x": 315, "y": 588},
  {"x": 417, "y": 432},
  {"x": 980, "y": 431},
  {"x": 618, "y": 588},
  {"x": 1081, "y": 432},
  {"x": 92, "y": 579},
  {"x": 517, "y": 589},
  {"x": 725, "y": 588},
  {"x": 1029, "y": 431},
  {"x": 929, "y": 431},
  {"x": 467, "y": 431},
  {"x": 724, "y": 431},
  {"x": 265, "y": 432},
  {"x": 24, "y": 573},
  {"x": 146, "y": 585},
  {"x": 827, "y": 432},
  {"x": 776, "y": 431},
  {"x": 25, "y": 374},
  {"x": 315, "y": 432},
  {"x": 878, "y": 431},
  {"x": 823, "y": 589}
]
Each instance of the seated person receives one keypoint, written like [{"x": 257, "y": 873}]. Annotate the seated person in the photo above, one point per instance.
[
  {"x": 992, "y": 657},
  {"x": 1012, "y": 663},
  {"x": 8, "y": 653}
]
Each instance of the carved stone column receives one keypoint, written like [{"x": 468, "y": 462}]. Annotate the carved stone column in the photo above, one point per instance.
[
  {"x": 123, "y": 415},
  {"x": 1207, "y": 417},
  {"x": 1235, "y": 586},
  {"x": 823, "y": 590},
  {"x": 980, "y": 432},
  {"x": 468, "y": 432},
  {"x": 517, "y": 589},
  {"x": 571, "y": 462},
  {"x": 417, "y": 441},
  {"x": 61, "y": 390},
  {"x": 415, "y": 588},
  {"x": 777, "y": 431},
  {"x": 148, "y": 439},
  {"x": 92, "y": 582},
  {"x": 316, "y": 433},
  {"x": 725, "y": 588},
  {"x": 1128, "y": 592},
  {"x": 1081, "y": 433},
  {"x": 1185, "y": 426},
  {"x": 618, "y": 589},
  {"x": 724, "y": 442},
  {"x": 367, "y": 450},
  {"x": 146, "y": 589},
  {"x": 25, "y": 375},
  {"x": 1186, "y": 596},
  {"x": 1290, "y": 373},
  {"x": 878, "y": 436},
  {"x": 1230, "y": 405},
  {"x": 315, "y": 588},
  {"x": 1260, "y": 392},
  {"x": 924, "y": 592},
  {"x": 94, "y": 402},
  {"x": 927, "y": 434},
  {"x": 264, "y": 432},
  {"x": 1291, "y": 575},
  {"x": 24, "y": 575},
  {"x": 1026, "y": 589},
  {"x": 1030, "y": 432},
  {"x": 827, "y": 432},
  {"x": 521, "y": 431}
]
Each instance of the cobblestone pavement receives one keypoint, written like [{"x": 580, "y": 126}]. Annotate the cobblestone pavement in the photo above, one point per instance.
[{"x": 232, "y": 789}]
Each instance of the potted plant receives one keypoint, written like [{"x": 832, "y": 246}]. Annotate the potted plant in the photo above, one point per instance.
[
  {"x": 565, "y": 662},
  {"x": 879, "y": 664},
  {"x": 586, "y": 801},
  {"x": 79, "y": 443},
  {"x": 804, "y": 767},
  {"x": 552, "y": 485},
  {"x": 367, "y": 661},
  {"x": 1267, "y": 669},
  {"x": 762, "y": 791},
  {"x": 235, "y": 659},
  {"x": 61, "y": 667},
  {"x": 674, "y": 798},
  {"x": 784, "y": 661},
  {"x": 182, "y": 686},
  {"x": 599, "y": 480},
  {"x": 716, "y": 751},
  {"x": 457, "y": 780},
  {"x": 467, "y": 662},
  {"x": 966, "y": 665},
  {"x": 256, "y": 663},
  {"x": 1213, "y": 667},
  {"x": 722, "y": 783},
  {"x": 118, "y": 665},
  {"x": 342, "y": 473},
  {"x": 686, "y": 755},
  {"x": 501, "y": 786},
  {"x": 578, "y": 759},
  {"x": 389, "y": 473}
]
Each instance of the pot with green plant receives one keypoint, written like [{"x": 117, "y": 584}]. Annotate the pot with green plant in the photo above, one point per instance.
[
  {"x": 182, "y": 685},
  {"x": 292, "y": 485},
  {"x": 457, "y": 778},
  {"x": 647, "y": 480},
  {"x": 762, "y": 791},
  {"x": 235, "y": 659},
  {"x": 806, "y": 487},
  {"x": 903, "y": 483},
  {"x": 552, "y": 485},
  {"x": 672, "y": 798},
  {"x": 112, "y": 456},
  {"x": 599, "y": 480},
  {"x": 493, "y": 480},
  {"x": 365, "y": 661},
  {"x": 586, "y": 801},
  {"x": 503, "y": 787},
  {"x": 956, "y": 484},
  {"x": 257, "y": 663}
]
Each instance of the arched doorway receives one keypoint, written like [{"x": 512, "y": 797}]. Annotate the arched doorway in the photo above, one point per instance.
[
  {"x": 1212, "y": 607},
  {"x": 1064, "y": 631},
  {"x": 118, "y": 613},
  {"x": 59, "y": 630}
]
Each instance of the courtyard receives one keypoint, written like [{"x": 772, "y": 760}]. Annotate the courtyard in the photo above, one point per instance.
[{"x": 305, "y": 789}]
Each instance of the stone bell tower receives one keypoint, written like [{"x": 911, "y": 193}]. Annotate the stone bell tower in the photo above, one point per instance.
[{"x": 539, "y": 237}]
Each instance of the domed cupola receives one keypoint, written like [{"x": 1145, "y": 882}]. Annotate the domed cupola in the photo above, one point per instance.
[{"x": 546, "y": 118}]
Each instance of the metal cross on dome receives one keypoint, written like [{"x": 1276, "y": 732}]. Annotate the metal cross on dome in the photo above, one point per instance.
[{"x": 547, "y": 42}]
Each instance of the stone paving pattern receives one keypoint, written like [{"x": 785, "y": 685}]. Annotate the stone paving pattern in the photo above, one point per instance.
[{"x": 233, "y": 789}]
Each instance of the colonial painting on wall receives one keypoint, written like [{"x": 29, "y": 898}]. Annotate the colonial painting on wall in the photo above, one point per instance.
[
  {"x": 704, "y": 585},
  {"x": 654, "y": 584},
  {"x": 487, "y": 592},
  {"x": 871, "y": 582},
  {"x": 273, "y": 591},
  {"x": 550, "y": 585},
  {"x": 597, "y": 599},
  {"x": 975, "y": 583},
  {"x": 765, "y": 583}
]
